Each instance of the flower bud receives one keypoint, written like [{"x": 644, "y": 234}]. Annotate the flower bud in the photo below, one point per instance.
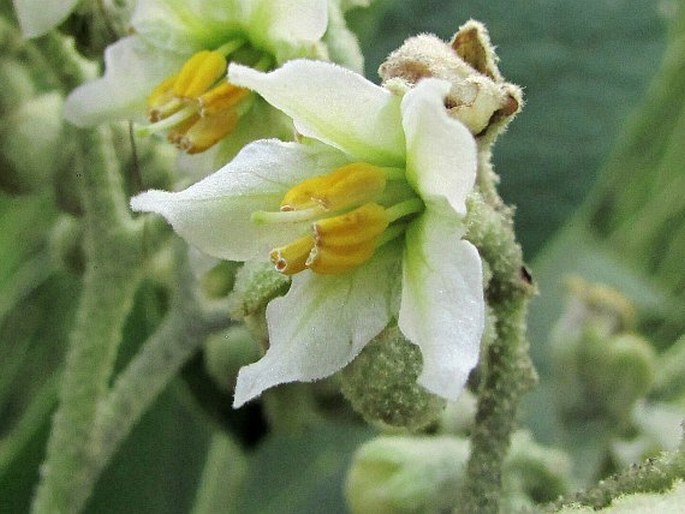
[
  {"x": 479, "y": 97},
  {"x": 396, "y": 475},
  {"x": 256, "y": 284},
  {"x": 30, "y": 144},
  {"x": 226, "y": 352},
  {"x": 534, "y": 473},
  {"x": 601, "y": 368},
  {"x": 218, "y": 281},
  {"x": 17, "y": 84},
  {"x": 380, "y": 383}
]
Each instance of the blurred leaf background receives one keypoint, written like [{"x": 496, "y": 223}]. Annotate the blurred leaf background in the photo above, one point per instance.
[{"x": 585, "y": 65}]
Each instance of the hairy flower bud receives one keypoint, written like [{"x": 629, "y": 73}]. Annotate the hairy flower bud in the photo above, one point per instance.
[
  {"x": 381, "y": 384},
  {"x": 66, "y": 244},
  {"x": 397, "y": 475},
  {"x": 226, "y": 352},
  {"x": 256, "y": 284},
  {"x": 602, "y": 367},
  {"x": 479, "y": 97},
  {"x": 30, "y": 137}
]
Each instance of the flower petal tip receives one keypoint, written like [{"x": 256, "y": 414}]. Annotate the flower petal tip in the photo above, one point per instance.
[
  {"x": 150, "y": 201},
  {"x": 247, "y": 387}
]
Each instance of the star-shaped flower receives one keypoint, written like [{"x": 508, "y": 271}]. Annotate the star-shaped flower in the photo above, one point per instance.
[
  {"x": 174, "y": 65},
  {"x": 366, "y": 214}
]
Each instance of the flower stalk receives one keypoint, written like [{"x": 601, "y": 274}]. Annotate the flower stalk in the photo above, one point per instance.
[
  {"x": 113, "y": 271},
  {"x": 506, "y": 370}
]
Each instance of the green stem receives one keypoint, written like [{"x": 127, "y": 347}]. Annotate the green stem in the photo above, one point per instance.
[
  {"x": 65, "y": 61},
  {"x": 180, "y": 335},
  {"x": 113, "y": 271},
  {"x": 654, "y": 475},
  {"x": 506, "y": 368}
]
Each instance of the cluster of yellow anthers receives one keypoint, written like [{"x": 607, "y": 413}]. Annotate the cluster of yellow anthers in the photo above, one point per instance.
[
  {"x": 198, "y": 106},
  {"x": 347, "y": 222}
]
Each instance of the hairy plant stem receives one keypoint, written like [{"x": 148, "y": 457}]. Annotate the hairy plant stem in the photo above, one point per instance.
[
  {"x": 652, "y": 476},
  {"x": 506, "y": 371},
  {"x": 113, "y": 271},
  {"x": 185, "y": 328}
]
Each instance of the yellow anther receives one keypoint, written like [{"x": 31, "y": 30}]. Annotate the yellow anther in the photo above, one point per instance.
[
  {"x": 330, "y": 260},
  {"x": 345, "y": 187},
  {"x": 222, "y": 97},
  {"x": 199, "y": 73},
  {"x": 196, "y": 106},
  {"x": 208, "y": 131},
  {"x": 346, "y": 241},
  {"x": 291, "y": 259},
  {"x": 161, "y": 102},
  {"x": 362, "y": 224},
  {"x": 178, "y": 132}
]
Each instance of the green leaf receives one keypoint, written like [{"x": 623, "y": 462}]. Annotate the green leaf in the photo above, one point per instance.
[{"x": 157, "y": 469}]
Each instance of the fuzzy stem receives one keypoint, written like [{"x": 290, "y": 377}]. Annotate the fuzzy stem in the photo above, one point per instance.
[
  {"x": 507, "y": 371},
  {"x": 654, "y": 475},
  {"x": 113, "y": 250},
  {"x": 65, "y": 61},
  {"x": 184, "y": 329}
]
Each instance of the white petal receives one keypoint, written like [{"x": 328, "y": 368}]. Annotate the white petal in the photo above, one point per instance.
[
  {"x": 289, "y": 20},
  {"x": 36, "y": 17},
  {"x": 441, "y": 152},
  {"x": 442, "y": 309},
  {"x": 215, "y": 213},
  {"x": 334, "y": 105},
  {"x": 323, "y": 323},
  {"x": 132, "y": 69},
  {"x": 187, "y": 26}
]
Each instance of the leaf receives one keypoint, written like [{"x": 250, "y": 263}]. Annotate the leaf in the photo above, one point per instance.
[{"x": 157, "y": 469}]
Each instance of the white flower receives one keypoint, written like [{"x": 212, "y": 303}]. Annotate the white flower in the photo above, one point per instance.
[
  {"x": 367, "y": 219},
  {"x": 173, "y": 68},
  {"x": 36, "y": 17}
]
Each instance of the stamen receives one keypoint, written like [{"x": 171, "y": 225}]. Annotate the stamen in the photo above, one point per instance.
[
  {"x": 330, "y": 260},
  {"x": 287, "y": 216},
  {"x": 161, "y": 102},
  {"x": 222, "y": 97},
  {"x": 346, "y": 241},
  {"x": 366, "y": 222},
  {"x": 177, "y": 133},
  {"x": 166, "y": 123},
  {"x": 345, "y": 187},
  {"x": 402, "y": 209},
  {"x": 207, "y": 131},
  {"x": 199, "y": 73},
  {"x": 292, "y": 258}
]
